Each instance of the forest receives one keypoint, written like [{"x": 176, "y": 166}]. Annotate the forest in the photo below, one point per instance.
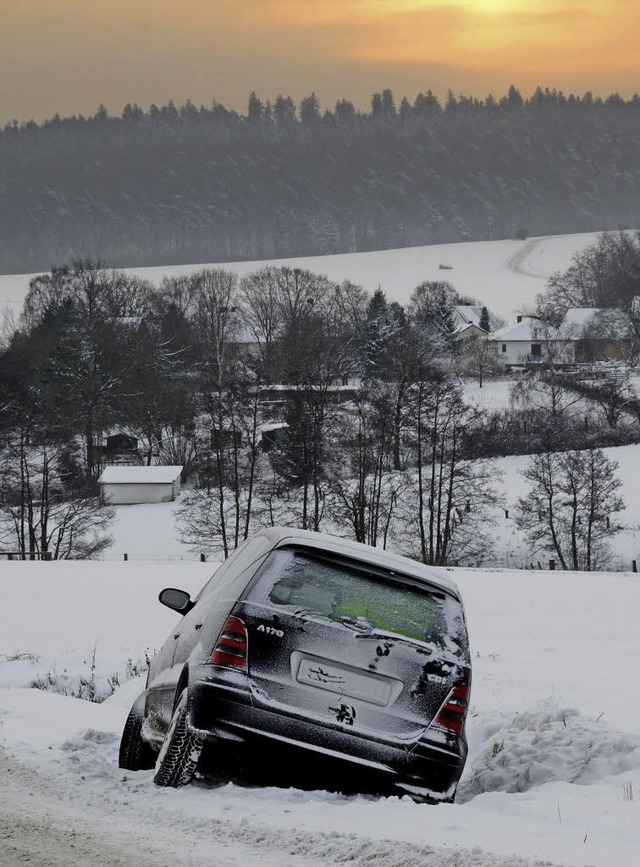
[{"x": 174, "y": 184}]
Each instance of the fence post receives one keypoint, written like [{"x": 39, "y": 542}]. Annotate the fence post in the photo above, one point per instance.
[{"x": 552, "y": 565}]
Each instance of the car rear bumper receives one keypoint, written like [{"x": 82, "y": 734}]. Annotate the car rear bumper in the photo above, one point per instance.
[{"x": 429, "y": 767}]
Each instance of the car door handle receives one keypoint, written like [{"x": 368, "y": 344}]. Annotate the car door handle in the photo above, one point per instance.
[
  {"x": 177, "y": 635},
  {"x": 198, "y": 626}
]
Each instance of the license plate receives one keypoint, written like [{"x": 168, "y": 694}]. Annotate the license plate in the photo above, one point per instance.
[{"x": 344, "y": 681}]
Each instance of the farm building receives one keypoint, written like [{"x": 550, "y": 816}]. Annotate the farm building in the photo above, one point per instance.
[{"x": 127, "y": 485}]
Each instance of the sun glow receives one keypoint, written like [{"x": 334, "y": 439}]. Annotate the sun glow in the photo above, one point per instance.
[{"x": 71, "y": 55}]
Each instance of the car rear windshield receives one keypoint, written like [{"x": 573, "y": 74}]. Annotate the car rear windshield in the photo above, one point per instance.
[{"x": 311, "y": 586}]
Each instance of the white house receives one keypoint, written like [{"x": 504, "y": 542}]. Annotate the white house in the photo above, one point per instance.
[
  {"x": 521, "y": 343},
  {"x": 586, "y": 334},
  {"x": 125, "y": 485}
]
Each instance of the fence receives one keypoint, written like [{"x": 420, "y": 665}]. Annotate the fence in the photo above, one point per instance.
[{"x": 32, "y": 555}]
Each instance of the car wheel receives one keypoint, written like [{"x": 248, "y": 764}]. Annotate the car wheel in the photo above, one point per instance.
[
  {"x": 180, "y": 752},
  {"x": 135, "y": 753}
]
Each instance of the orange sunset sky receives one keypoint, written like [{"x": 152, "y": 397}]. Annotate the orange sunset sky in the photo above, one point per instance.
[{"x": 67, "y": 56}]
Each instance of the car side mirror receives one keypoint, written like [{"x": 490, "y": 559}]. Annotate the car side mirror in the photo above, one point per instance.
[{"x": 177, "y": 600}]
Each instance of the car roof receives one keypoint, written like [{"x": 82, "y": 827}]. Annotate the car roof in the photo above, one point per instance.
[{"x": 281, "y": 536}]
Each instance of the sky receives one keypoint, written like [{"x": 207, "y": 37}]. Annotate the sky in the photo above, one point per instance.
[{"x": 71, "y": 55}]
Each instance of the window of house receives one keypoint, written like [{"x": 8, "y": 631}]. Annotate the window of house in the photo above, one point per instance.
[
  {"x": 536, "y": 350},
  {"x": 504, "y": 347}
]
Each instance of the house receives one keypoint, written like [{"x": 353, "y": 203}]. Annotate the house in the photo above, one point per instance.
[
  {"x": 126, "y": 485},
  {"x": 273, "y": 436},
  {"x": 120, "y": 443},
  {"x": 586, "y": 334},
  {"x": 604, "y": 334},
  {"x": 466, "y": 318},
  {"x": 117, "y": 448},
  {"x": 521, "y": 343}
]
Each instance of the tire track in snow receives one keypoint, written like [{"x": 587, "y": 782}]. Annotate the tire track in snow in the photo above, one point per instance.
[
  {"x": 518, "y": 263},
  {"x": 46, "y": 826}
]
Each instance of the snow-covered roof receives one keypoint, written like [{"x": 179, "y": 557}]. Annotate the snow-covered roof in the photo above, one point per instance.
[
  {"x": 608, "y": 323},
  {"x": 470, "y": 314},
  {"x": 125, "y": 475},
  {"x": 527, "y": 329}
]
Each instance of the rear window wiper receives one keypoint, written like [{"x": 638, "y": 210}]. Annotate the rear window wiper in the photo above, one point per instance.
[
  {"x": 383, "y": 635},
  {"x": 358, "y": 624}
]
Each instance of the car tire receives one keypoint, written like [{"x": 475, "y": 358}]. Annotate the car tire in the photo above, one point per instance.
[
  {"x": 135, "y": 753},
  {"x": 180, "y": 752}
]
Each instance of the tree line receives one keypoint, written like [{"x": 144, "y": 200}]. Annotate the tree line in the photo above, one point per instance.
[{"x": 200, "y": 184}]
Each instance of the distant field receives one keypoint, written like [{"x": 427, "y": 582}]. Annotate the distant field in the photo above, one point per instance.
[{"x": 504, "y": 275}]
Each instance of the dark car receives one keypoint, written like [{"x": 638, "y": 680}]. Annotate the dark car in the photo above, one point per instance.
[{"x": 318, "y": 644}]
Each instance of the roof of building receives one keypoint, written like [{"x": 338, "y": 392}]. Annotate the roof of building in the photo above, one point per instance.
[
  {"x": 125, "y": 475},
  {"x": 601, "y": 322},
  {"x": 470, "y": 314},
  {"x": 526, "y": 330}
]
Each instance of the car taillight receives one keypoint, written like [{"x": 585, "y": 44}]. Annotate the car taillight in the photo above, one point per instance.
[
  {"x": 453, "y": 712},
  {"x": 231, "y": 646}
]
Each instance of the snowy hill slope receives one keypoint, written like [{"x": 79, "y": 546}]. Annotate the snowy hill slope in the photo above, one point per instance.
[
  {"x": 554, "y": 765},
  {"x": 504, "y": 275}
]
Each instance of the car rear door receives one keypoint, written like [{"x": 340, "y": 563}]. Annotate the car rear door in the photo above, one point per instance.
[{"x": 334, "y": 643}]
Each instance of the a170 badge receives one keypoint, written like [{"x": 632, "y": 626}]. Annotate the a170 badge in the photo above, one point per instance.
[{"x": 269, "y": 630}]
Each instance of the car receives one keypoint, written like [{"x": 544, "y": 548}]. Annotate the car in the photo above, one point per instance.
[{"x": 320, "y": 645}]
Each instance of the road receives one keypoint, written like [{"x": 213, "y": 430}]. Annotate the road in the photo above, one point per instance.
[{"x": 44, "y": 826}]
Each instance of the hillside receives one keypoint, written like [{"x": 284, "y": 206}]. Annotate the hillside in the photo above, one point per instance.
[
  {"x": 175, "y": 186},
  {"x": 504, "y": 275},
  {"x": 552, "y": 776}
]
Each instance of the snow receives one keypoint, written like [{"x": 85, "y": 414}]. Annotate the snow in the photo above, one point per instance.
[
  {"x": 554, "y": 765},
  {"x": 526, "y": 329},
  {"x": 122, "y": 475},
  {"x": 505, "y": 276},
  {"x": 554, "y": 768}
]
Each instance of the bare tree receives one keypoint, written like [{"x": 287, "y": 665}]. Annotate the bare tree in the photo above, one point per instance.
[
  {"x": 366, "y": 493},
  {"x": 571, "y": 507},
  {"x": 230, "y": 400},
  {"x": 606, "y": 274},
  {"x": 478, "y": 357},
  {"x": 453, "y": 494},
  {"x": 43, "y": 509}
]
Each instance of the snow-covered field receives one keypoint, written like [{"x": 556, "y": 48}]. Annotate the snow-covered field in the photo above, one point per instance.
[
  {"x": 554, "y": 769},
  {"x": 553, "y": 774},
  {"x": 148, "y": 532},
  {"x": 504, "y": 275}
]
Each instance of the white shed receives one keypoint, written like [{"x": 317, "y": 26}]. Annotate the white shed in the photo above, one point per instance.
[{"x": 122, "y": 485}]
